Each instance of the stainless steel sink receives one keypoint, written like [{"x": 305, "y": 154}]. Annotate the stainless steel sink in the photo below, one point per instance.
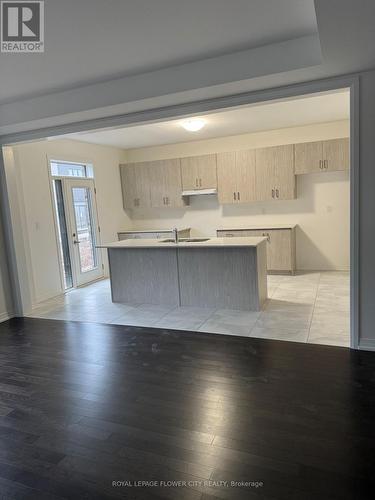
[
  {"x": 192, "y": 240},
  {"x": 185, "y": 240}
]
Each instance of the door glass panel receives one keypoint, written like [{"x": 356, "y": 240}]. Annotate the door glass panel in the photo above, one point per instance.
[
  {"x": 63, "y": 234},
  {"x": 85, "y": 236},
  {"x": 68, "y": 169}
]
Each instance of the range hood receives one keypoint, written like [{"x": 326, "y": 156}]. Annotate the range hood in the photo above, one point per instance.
[{"x": 197, "y": 192}]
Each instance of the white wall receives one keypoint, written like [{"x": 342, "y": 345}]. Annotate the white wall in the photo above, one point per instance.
[
  {"x": 321, "y": 209},
  {"x": 32, "y": 170}
]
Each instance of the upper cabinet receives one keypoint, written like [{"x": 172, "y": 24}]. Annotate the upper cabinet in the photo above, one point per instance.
[
  {"x": 135, "y": 185},
  {"x": 239, "y": 176},
  {"x": 199, "y": 172},
  {"x": 336, "y": 154},
  {"x": 236, "y": 176},
  {"x": 226, "y": 177},
  {"x": 165, "y": 183},
  {"x": 322, "y": 156},
  {"x": 274, "y": 177}
]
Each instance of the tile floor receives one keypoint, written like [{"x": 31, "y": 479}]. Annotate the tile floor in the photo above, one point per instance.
[{"x": 307, "y": 307}]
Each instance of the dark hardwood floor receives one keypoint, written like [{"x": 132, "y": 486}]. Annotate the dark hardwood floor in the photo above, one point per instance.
[{"x": 88, "y": 410}]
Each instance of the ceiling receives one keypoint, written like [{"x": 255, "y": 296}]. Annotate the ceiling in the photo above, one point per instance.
[
  {"x": 88, "y": 41},
  {"x": 287, "y": 113},
  {"x": 116, "y": 58}
]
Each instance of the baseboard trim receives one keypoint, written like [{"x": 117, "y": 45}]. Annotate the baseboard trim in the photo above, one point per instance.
[
  {"x": 367, "y": 345},
  {"x": 5, "y": 316}
]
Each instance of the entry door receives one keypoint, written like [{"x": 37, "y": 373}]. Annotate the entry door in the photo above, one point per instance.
[{"x": 84, "y": 230}]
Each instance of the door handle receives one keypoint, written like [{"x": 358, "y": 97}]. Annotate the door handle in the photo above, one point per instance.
[
  {"x": 238, "y": 195},
  {"x": 234, "y": 196}
]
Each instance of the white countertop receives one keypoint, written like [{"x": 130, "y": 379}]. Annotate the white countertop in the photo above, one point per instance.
[
  {"x": 210, "y": 243},
  {"x": 131, "y": 231},
  {"x": 263, "y": 226}
]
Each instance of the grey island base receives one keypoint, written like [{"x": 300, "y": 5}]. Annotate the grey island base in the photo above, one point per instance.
[{"x": 217, "y": 273}]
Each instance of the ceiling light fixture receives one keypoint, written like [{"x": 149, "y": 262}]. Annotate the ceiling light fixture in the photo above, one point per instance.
[{"x": 193, "y": 124}]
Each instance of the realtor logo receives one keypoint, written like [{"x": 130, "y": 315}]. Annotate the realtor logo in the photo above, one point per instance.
[{"x": 22, "y": 26}]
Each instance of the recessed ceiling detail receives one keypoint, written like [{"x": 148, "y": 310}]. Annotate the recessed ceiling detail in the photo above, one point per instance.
[{"x": 267, "y": 116}]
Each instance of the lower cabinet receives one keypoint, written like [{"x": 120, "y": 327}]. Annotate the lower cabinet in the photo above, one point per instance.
[
  {"x": 281, "y": 247},
  {"x": 160, "y": 235}
]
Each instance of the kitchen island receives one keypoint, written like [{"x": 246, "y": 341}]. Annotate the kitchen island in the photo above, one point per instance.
[{"x": 208, "y": 272}]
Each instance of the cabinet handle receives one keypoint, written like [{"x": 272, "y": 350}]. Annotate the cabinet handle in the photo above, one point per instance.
[
  {"x": 238, "y": 195},
  {"x": 267, "y": 235},
  {"x": 167, "y": 200},
  {"x": 277, "y": 193},
  {"x": 200, "y": 182},
  {"x": 321, "y": 164},
  {"x": 234, "y": 196},
  {"x": 273, "y": 193},
  {"x": 326, "y": 164},
  {"x": 196, "y": 182}
]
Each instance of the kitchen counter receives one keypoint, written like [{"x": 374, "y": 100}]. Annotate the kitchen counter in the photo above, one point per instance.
[
  {"x": 131, "y": 231},
  {"x": 218, "y": 273},
  {"x": 258, "y": 226},
  {"x": 210, "y": 243}
]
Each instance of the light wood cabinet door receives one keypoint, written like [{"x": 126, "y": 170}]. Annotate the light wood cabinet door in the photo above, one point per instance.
[
  {"x": 165, "y": 183},
  {"x": 157, "y": 184},
  {"x": 142, "y": 184},
  {"x": 135, "y": 185},
  {"x": 285, "y": 181},
  {"x": 336, "y": 154},
  {"x": 172, "y": 183},
  {"x": 265, "y": 174},
  {"x": 279, "y": 250},
  {"x": 207, "y": 170},
  {"x": 199, "y": 172},
  {"x": 275, "y": 178},
  {"x": 226, "y": 177},
  {"x": 308, "y": 157},
  {"x": 189, "y": 173},
  {"x": 245, "y": 176},
  {"x": 128, "y": 186}
]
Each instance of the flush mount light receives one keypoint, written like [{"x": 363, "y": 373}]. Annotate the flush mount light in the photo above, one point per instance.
[{"x": 193, "y": 124}]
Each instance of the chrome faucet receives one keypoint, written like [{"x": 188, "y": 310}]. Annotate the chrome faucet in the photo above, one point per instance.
[{"x": 175, "y": 234}]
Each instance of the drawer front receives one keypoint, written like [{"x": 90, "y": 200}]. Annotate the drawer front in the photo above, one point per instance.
[
  {"x": 136, "y": 236},
  {"x": 235, "y": 233}
]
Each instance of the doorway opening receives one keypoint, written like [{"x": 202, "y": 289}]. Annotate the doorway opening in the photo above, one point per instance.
[{"x": 311, "y": 303}]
